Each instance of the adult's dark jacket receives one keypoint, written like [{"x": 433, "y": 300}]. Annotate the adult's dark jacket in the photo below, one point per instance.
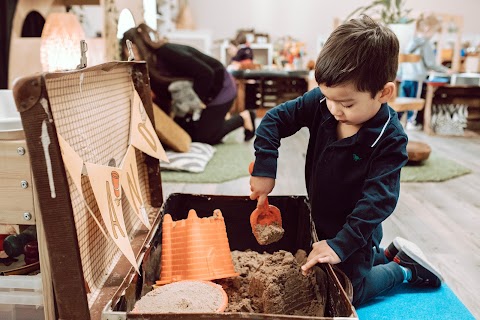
[
  {"x": 181, "y": 61},
  {"x": 168, "y": 62}
]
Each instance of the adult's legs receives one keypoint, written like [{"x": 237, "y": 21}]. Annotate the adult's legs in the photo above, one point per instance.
[
  {"x": 419, "y": 118},
  {"x": 212, "y": 126},
  {"x": 408, "y": 89}
]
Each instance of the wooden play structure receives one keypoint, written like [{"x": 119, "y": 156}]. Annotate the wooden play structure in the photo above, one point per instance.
[
  {"x": 101, "y": 49},
  {"x": 17, "y": 162}
]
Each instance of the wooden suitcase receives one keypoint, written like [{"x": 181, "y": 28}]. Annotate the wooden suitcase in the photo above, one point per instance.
[{"x": 90, "y": 109}]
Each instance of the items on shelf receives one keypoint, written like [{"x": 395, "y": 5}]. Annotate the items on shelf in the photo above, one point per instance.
[
  {"x": 17, "y": 244},
  {"x": 289, "y": 53}
]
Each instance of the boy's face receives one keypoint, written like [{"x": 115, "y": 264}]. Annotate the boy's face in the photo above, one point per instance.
[{"x": 350, "y": 106}]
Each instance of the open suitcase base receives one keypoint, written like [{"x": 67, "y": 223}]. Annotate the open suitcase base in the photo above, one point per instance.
[{"x": 236, "y": 211}]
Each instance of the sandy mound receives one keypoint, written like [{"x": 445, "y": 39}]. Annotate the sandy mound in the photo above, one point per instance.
[
  {"x": 273, "y": 283},
  {"x": 180, "y": 297}
]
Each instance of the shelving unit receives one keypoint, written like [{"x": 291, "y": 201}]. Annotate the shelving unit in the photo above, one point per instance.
[
  {"x": 19, "y": 206},
  {"x": 167, "y": 11}
]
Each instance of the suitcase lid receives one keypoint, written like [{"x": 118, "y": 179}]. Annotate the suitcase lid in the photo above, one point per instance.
[{"x": 90, "y": 109}]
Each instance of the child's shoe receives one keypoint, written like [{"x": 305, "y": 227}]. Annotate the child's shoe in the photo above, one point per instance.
[
  {"x": 396, "y": 246},
  {"x": 423, "y": 272}
]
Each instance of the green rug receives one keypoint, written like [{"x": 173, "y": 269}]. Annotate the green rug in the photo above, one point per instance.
[
  {"x": 229, "y": 162},
  {"x": 435, "y": 169},
  {"x": 232, "y": 158}
]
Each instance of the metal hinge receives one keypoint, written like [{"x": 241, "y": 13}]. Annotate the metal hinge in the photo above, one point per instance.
[{"x": 109, "y": 314}]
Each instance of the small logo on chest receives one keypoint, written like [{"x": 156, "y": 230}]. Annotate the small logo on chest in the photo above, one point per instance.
[{"x": 356, "y": 157}]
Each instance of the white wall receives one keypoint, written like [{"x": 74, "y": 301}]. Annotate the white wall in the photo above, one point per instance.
[{"x": 307, "y": 19}]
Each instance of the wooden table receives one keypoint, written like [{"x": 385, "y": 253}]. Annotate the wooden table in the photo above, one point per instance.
[
  {"x": 402, "y": 104},
  {"x": 270, "y": 88}
]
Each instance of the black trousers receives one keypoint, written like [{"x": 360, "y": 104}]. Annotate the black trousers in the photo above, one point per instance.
[{"x": 212, "y": 126}]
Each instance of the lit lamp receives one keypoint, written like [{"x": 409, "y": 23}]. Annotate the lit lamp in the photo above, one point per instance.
[{"x": 60, "y": 47}]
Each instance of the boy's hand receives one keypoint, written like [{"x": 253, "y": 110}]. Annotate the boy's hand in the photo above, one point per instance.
[
  {"x": 321, "y": 253},
  {"x": 261, "y": 187}
]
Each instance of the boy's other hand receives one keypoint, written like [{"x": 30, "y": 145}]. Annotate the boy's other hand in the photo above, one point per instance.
[
  {"x": 321, "y": 253},
  {"x": 261, "y": 187}
]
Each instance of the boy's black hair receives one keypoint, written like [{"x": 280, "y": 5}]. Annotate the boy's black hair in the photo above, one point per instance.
[{"x": 361, "y": 52}]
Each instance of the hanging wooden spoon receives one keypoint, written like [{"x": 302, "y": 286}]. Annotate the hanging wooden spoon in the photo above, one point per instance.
[{"x": 266, "y": 221}]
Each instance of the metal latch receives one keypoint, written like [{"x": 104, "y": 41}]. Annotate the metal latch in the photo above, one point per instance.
[
  {"x": 131, "y": 56},
  {"x": 83, "y": 54}
]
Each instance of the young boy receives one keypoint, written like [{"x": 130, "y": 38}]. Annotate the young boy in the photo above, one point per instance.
[{"x": 356, "y": 149}]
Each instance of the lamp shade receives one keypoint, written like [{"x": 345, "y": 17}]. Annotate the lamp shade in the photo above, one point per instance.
[{"x": 60, "y": 46}]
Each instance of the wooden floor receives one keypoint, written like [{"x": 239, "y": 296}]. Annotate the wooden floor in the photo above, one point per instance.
[{"x": 442, "y": 218}]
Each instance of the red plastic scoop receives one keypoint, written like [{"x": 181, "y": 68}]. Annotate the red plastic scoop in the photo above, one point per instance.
[{"x": 266, "y": 221}]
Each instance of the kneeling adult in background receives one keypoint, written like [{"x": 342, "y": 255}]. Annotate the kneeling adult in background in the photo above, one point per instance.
[{"x": 215, "y": 87}]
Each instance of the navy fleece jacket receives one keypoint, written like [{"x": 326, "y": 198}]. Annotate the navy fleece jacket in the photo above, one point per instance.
[{"x": 353, "y": 184}]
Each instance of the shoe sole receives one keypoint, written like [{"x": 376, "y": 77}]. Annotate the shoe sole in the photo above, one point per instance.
[
  {"x": 398, "y": 243},
  {"x": 415, "y": 253}
]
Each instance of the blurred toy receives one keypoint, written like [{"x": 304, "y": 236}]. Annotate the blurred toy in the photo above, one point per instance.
[
  {"x": 289, "y": 53},
  {"x": 242, "y": 54},
  {"x": 31, "y": 252},
  {"x": 14, "y": 245}
]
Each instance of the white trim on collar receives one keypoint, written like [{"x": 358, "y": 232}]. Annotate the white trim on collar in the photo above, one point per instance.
[{"x": 383, "y": 130}]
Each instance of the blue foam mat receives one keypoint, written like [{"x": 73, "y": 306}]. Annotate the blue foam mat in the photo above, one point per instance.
[{"x": 406, "y": 302}]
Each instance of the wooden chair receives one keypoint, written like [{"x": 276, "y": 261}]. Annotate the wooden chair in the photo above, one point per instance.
[
  {"x": 401, "y": 104},
  {"x": 417, "y": 151}
]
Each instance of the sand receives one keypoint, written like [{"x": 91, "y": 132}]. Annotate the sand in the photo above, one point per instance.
[
  {"x": 266, "y": 234},
  {"x": 273, "y": 284},
  {"x": 180, "y": 297},
  {"x": 268, "y": 283}
]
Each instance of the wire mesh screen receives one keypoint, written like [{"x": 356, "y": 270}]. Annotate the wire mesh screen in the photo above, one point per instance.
[{"x": 91, "y": 111}]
